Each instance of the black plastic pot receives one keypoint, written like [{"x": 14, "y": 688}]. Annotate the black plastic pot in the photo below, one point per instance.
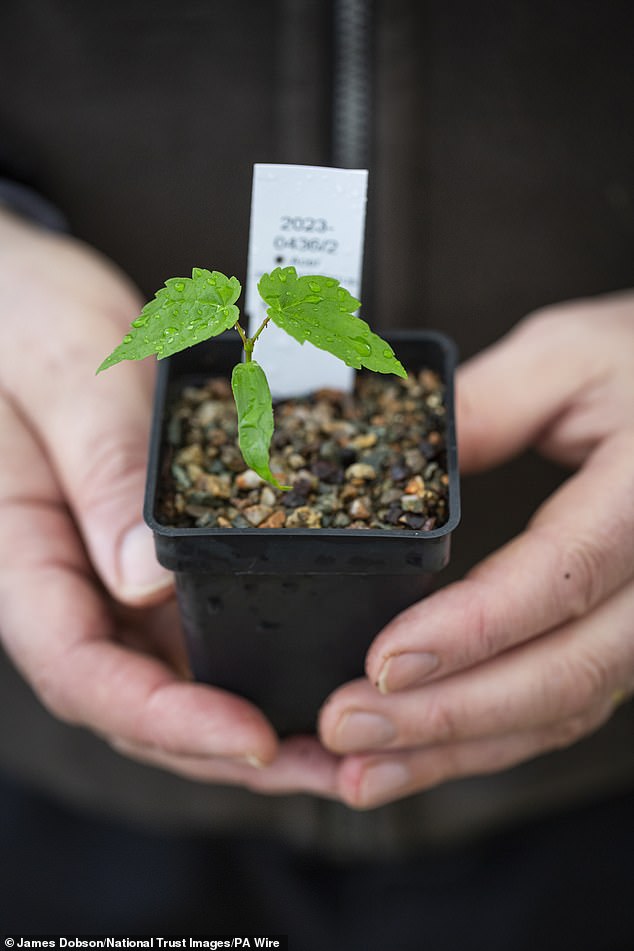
[{"x": 283, "y": 616}]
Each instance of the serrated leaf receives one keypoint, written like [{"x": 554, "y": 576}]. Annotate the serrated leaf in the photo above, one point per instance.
[
  {"x": 318, "y": 310},
  {"x": 255, "y": 418},
  {"x": 186, "y": 311}
]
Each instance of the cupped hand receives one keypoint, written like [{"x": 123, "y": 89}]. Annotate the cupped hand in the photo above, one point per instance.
[
  {"x": 86, "y": 612},
  {"x": 534, "y": 648}
]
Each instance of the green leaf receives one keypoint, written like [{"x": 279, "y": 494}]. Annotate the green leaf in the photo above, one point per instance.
[
  {"x": 184, "y": 312},
  {"x": 319, "y": 310},
  {"x": 255, "y": 418}
]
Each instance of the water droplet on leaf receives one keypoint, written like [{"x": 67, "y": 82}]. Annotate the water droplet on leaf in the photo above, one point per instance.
[
  {"x": 363, "y": 349},
  {"x": 314, "y": 286},
  {"x": 179, "y": 286}
]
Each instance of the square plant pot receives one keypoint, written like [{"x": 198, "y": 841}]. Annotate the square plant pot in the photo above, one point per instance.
[{"x": 284, "y": 616}]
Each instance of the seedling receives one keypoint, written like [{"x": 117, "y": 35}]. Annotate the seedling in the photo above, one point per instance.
[{"x": 310, "y": 308}]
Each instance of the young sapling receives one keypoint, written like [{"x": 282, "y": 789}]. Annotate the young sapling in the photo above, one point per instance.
[{"x": 310, "y": 308}]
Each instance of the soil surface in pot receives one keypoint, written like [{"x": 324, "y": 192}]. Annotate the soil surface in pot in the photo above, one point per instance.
[{"x": 374, "y": 459}]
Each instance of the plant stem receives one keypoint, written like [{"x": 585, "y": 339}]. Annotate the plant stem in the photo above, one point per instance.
[
  {"x": 248, "y": 342},
  {"x": 260, "y": 329},
  {"x": 243, "y": 336}
]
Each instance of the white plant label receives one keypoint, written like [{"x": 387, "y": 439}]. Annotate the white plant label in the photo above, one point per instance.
[{"x": 312, "y": 218}]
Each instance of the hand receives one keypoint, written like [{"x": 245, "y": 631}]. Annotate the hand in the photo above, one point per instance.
[
  {"x": 534, "y": 648},
  {"x": 86, "y": 612}
]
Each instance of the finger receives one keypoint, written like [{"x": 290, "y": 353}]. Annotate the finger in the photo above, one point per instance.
[
  {"x": 56, "y": 628},
  {"x": 94, "y": 430},
  {"x": 85, "y": 679},
  {"x": 578, "y": 668},
  {"x": 576, "y": 552},
  {"x": 365, "y": 782},
  {"x": 509, "y": 396},
  {"x": 301, "y": 766}
]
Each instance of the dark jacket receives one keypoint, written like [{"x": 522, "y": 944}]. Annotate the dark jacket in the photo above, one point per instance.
[{"x": 501, "y": 155}]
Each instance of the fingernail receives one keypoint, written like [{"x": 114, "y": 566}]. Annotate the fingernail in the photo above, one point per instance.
[
  {"x": 139, "y": 571},
  {"x": 383, "y": 780},
  {"x": 405, "y": 670},
  {"x": 358, "y": 730}
]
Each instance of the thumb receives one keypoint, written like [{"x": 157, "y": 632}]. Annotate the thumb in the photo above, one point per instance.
[
  {"x": 509, "y": 394},
  {"x": 95, "y": 432},
  {"x": 105, "y": 478},
  {"x": 64, "y": 307}
]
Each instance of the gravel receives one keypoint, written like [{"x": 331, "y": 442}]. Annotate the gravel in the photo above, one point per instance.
[{"x": 374, "y": 459}]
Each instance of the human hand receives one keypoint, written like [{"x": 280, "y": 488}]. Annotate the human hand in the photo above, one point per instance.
[
  {"x": 534, "y": 648},
  {"x": 86, "y": 612}
]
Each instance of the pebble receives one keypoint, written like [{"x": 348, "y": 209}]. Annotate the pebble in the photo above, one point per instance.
[
  {"x": 412, "y": 521},
  {"x": 341, "y": 520},
  {"x": 399, "y": 473},
  {"x": 180, "y": 476},
  {"x": 364, "y": 441},
  {"x": 304, "y": 517},
  {"x": 256, "y": 514},
  {"x": 328, "y": 504},
  {"x": 268, "y": 496},
  {"x": 414, "y": 460},
  {"x": 329, "y": 450},
  {"x": 361, "y": 471},
  {"x": 327, "y": 471},
  {"x": 348, "y": 492},
  {"x": 276, "y": 520},
  {"x": 415, "y": 486},
  {"x": 248, "y": 480},
  {"x": 360, "y": 508},
  {"x": 232, "y": 458},
  {"x": 218, "y": 486},
  {"x": 412, "y": 503},
  {"x": 190, "y": 454},
  {"x": 239, "y": 521},
  {"x": 209, "y": 412},
  {"x": 389, "y": 495},
  {"x": 296, "y": 461}
]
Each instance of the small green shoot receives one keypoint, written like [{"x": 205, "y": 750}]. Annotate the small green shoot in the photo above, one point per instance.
[{"x": 310, "y": 308}]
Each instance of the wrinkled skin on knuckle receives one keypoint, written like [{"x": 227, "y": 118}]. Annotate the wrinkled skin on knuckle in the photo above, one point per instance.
[
  {"x": 594, "y": 678},
  {"x": 577, "y": 582},
  {"x": 572, "y": 684},
  {"x": 483, "y": 640},
  {"x": 441, "y": 723}
]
